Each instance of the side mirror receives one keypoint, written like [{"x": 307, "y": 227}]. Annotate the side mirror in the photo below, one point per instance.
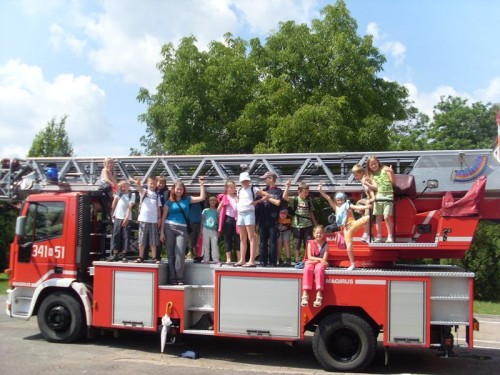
[{"x": 21, "y": 226}]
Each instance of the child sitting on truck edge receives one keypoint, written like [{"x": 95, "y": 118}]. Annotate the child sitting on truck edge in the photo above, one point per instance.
[{"x": 316, "y": 264}]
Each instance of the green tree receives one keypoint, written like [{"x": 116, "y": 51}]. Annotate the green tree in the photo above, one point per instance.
[
  {"x": 52, "y": 140},
  {"x": 457, "y": 125},
  {"x": 484, "y": 260},
  {"x": 8, "y": 214},
  {"x": 410, "y": 134},
  {"x": 307, "y": 89}
]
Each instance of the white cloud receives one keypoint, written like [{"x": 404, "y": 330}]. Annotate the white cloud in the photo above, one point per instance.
[
  {"x": 59, "y": 38},
  {"x": 373, "y": 30},
  {"x": 28, "y": 101},
  {"x": 395, "y": 49},
  {"x": 490, "y": 93},
  {"x": 262, "y": 16}
]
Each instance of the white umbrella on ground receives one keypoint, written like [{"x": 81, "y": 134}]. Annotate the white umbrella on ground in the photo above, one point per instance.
[{"x": 165, "y": 322}]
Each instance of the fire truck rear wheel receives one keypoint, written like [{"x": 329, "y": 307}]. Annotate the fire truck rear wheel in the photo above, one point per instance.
[
  {"x": 344, "y": 342},
  {"x": 61, "y": 318}
]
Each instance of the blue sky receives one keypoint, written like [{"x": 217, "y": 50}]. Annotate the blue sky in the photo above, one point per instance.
[{"x": 88, "y": 58}]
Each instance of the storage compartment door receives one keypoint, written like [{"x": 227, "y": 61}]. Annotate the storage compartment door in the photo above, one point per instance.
[
  {"x": 407, "y": 312},
  {"x": 259, "y": 306},
  {"x": 133, "y": 299}
]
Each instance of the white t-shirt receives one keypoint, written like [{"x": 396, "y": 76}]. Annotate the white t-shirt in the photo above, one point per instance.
[
  {"x": 149, "y": 207},
  {"x": 230, "y": 211},
  {"x": 122, "y": 205},
  {"x": 245, "y": 199}
]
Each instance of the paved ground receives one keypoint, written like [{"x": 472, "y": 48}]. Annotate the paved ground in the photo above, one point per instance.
[{"x": 24, "y": 351}]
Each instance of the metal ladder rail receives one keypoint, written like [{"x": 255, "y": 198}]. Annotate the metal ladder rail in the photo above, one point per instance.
[{"x": 333, "y": 169}]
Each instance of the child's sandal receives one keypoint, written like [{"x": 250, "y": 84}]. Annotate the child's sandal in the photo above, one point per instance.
[
  {"x": 139, "y": 260},
  {"x": 304, "y": 301},
  {"x": 318, "y": 301}
]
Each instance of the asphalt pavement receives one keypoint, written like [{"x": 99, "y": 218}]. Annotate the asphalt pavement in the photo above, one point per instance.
[{"x": 24, "y": 351}]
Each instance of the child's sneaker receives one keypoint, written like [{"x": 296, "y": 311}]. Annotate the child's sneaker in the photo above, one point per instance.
[
  {"x": 389, "y": 240},
  {"x": 351, "y": 267},
  {"x": 377, "y": 240},
  {"x": 365, "y": 238}
]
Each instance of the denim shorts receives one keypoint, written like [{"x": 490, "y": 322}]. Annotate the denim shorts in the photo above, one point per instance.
[{"x": 246, "y": 218}]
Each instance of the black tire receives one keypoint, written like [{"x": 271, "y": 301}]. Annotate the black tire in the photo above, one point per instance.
[
  {"x": 61, "y": 318},
  {"x": 344, "y": 342}
]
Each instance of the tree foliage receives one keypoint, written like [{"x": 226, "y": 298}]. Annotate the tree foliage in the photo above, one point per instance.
[
  {"x": 52, "y": 140},
  {"x": 306, "y": 89},
  {"x": 8, "y": 215},
  {"x": 456, "y": 125},
  {"x": 484, "y": 260}
]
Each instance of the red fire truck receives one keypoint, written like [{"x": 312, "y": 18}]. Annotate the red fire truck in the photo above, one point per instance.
[{"x": 62, "y": 234}]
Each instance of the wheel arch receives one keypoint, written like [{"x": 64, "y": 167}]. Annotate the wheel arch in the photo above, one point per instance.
[
  {"x": 78, "y": 290},
  {"x": 355, "y": 310}
]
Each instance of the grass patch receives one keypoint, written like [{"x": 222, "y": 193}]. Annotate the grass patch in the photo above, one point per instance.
[
  {"x": 484, "y": 307},
  {"x": 4, "y": 283}
]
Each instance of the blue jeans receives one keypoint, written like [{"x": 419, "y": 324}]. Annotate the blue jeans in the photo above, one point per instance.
[{"x": 268, "y": 241}]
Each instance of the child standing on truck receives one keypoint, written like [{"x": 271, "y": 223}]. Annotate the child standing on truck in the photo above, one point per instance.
[
  {"x": 227, "y": 220},
  {"x": 246, "y": 218},
  {"x": 345, "y": 219},
  {"x": 284, "y": 234},
  {"x": 303, "y": 217},
  {"x": 121, "y": 209},
  {"x": 382, "y": 179},
  {"x": 315, "y": 266},
  {"x": 360, "y": 175},
  {"x": 209, "y": 220},
  {"x": 175, "y": 227},
  {"x": 149, "y": 218}
]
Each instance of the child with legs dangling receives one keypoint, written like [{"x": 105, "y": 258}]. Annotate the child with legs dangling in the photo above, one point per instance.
[
  {"x": 315, "y": 266},
  {"x": 345, "y": 219}
]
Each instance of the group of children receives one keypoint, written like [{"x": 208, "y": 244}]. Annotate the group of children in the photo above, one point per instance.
[{"x": 163, "y": 217}]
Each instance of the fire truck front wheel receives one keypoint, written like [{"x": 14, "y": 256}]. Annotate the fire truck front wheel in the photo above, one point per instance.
[
  {"x": 61, "y": 318},
  {"x": 344, "y": 342}
]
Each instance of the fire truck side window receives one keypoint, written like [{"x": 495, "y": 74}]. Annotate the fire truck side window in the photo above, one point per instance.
[{"x": 45, "y": 220}]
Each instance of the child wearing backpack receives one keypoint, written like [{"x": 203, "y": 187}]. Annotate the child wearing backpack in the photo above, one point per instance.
[
  {"x": 303, "y": 217},
  {"x": 149, "y": 218},
  {"x": 121, "y": 209},
  {"x": 246, "y": 218}
]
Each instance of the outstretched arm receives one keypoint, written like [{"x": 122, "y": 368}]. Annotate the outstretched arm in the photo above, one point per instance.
[
  {"x": 287, "y": 188},
  {"x": 327, "y": 197},
  {"x": 201, "y": 197}
]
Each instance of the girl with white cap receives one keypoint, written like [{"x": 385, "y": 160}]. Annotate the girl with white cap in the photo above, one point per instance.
[{"x": 246, "y": 202}]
